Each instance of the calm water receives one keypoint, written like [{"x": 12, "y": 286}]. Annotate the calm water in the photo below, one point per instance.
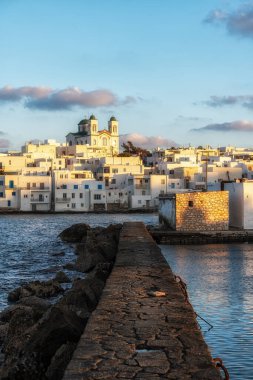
[
  {"x": 30, "y": 248},
  {"x": 220, "y": 285}
]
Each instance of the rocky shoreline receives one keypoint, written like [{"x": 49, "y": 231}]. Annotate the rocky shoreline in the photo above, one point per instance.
[{"x": 37, "y": 336}]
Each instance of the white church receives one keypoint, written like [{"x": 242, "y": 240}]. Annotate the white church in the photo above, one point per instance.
[{"x": 88, "y": 134}]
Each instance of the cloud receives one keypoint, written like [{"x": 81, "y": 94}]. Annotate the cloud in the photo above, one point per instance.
[
  {"x": 10, "y": 94},
  {"x": 234, "y": 126},
  {"x": 4, "y": 143},
  {"x": 45, "y": 98},
  {"x": 147, "y": 142},
  {"x": 239, "y": 22},
  {"x": 220, "y": 101}
]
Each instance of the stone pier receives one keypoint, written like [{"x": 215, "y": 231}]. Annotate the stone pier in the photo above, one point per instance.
[{"x": 142, "y": 327}]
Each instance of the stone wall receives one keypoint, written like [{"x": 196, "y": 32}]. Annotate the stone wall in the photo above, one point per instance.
[{"x": 202, "y": 211}]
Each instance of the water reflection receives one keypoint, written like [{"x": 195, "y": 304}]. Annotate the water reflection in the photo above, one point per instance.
[{"x": 219, "y": 280}]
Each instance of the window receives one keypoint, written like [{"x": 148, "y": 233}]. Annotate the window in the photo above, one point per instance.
[
  {"x": 64, "y": 187},
  {"x": 171, "y": 172},
  {"x": 34, "y": 184},
  {"x": 100, "y": 187},
  {"x": 139, "y": 201},
  {"x": 11, "y": 184},
  {"x": 1, "y": 183},
  {"x": 61, "y": 175},
  {"x": 75, "y": 187},
  {"x": 9, "y": 203},
  {"x": 82, "y": 204},
  {"x": 120, "y": 194},
  {"x": 97, "y": 196},
  {"x": 109, "y": 194},
  {"x": 25, "y": 195},
  {"x": 115, "y": 171},
  {"x": 13, "y": 193},
  {"x": 86, "y": 186},
  {"x": 81, "y": 195},
  {"x": 162, "y": 181},
  {"x": 73, "y": 205},
  {"x": 173, "y": 186},
  {"x": 190, "y": 203},
  {"x": 73, "y": 195},
  {"x": 143, "y": 192},
  {"x": 146, "y": 180},
  {"x": 113, "y": 181},
  {"x": 1, "y": 194},
  {"x": 104, "y": 141},
  {"x": 64, "y": 195}
]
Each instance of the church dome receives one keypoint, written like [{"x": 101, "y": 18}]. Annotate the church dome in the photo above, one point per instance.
[
  {"x": 82, "y": 122},
  {"x": 92, "y": 117},
  {"x": 113, "y": 118}
]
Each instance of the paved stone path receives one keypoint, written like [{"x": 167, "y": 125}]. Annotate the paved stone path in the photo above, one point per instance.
[{"x": 137, "y": 332}]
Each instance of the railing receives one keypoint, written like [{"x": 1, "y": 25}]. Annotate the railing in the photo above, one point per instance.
[
  {"x": 39, "y": 200},
  {"x": 62, "y": 200},
  {"x": 35, "y": 188}
]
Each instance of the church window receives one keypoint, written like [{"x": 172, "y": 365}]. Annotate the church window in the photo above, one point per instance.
[
  {"x": 95, "y": 142},
  {"x": 104, "y": 141}
]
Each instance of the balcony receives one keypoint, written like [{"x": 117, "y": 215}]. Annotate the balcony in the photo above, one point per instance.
[
  {"x": 39, "y": 200},
  {"x": 62, "y": 200},
  {"x": 34, "y": 188},
  {"x": 142, "y": 186}
]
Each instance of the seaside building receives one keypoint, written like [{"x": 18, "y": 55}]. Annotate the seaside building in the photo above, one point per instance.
[{"x": 195, "y": 211}]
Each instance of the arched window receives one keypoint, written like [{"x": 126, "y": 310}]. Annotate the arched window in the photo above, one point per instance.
[
  {"x": 104, "y": 141},
  {"x": 94, "y": 142},
  {"x": 70, "y": 143}
]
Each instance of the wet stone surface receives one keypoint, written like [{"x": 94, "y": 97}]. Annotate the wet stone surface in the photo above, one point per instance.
[{"x": 142, "y": 328}]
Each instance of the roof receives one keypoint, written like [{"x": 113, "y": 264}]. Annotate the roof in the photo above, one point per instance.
[
  {"x": 78, "y": 134},
  {"x": 113, "y": 118},
  {"x": 92, "y": 117},
  {"x": 83, "y": 121}
]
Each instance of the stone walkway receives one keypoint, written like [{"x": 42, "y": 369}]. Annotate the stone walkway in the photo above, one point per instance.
[{"x": 142, "y": 327}]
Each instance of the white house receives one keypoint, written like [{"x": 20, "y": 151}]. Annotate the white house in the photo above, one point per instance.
[{"x": 240, "y": 204}]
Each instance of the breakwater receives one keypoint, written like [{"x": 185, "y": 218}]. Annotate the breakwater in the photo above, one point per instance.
[
  {"x": 162, "y": 236},
  {"x": 142, "y": 327}
]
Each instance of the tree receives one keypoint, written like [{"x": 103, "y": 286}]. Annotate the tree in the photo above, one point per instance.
[{"x": 131, "y": 150}]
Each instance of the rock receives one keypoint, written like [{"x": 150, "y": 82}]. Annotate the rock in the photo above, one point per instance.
[
  {"x": 59, "y": 362},
  {"x": 31, "y": 359},
  {"x": 3, "y": 332},
  {"x": 75, "y": 233},
  {"x": 38, "y": 305},
  {"x": 100, "y": 247},
  {"x": 61, "y": 277},
  {"x": 42, "y": 289},
  {"x": 70, "y": 266},
  {"x": 89, "y": 256},
  {"x": 101, "y": 271}
]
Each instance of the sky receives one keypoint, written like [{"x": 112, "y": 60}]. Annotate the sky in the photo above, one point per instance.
[{"x": 173, "y": 72}]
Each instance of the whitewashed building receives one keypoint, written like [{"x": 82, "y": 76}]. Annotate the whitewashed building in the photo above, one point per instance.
[{"x": 240, "y": 204}]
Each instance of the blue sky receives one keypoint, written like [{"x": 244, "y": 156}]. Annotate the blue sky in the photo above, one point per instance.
[{"x": 175, "y": 69}]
